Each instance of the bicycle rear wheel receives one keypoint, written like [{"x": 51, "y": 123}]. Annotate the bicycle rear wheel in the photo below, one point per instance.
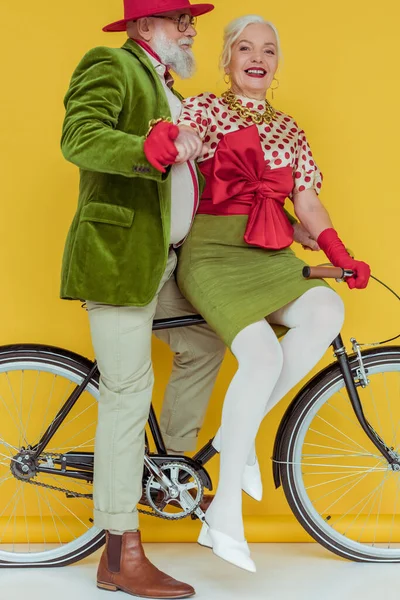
[
  {"x": 339, "y": 487},
  {"x": 40, "y": 525}
]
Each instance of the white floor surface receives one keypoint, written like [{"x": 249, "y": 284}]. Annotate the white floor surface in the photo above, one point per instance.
[{"x": 284, "y": 572}]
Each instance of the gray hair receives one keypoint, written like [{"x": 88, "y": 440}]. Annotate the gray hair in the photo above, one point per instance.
[{"x": 233, "y": 31}]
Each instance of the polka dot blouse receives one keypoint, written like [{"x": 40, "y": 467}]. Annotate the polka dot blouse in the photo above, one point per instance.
[{"x": 283, "y": 142}]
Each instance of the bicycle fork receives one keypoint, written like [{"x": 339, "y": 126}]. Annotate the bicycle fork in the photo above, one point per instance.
[{"x": 351, "y": 386}]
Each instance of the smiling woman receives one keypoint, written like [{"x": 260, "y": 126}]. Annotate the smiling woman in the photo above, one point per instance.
[
  {"x": 234, "y": 31},
  {"x": 238, "y": 270},
  {"x": 253, "y": 61}
]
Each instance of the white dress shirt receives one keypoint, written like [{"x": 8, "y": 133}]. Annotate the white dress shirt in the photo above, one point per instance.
[{"x": 184, "y": 181}]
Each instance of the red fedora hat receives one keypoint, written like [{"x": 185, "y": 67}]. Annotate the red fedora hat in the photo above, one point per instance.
[{"x": 136, "y": 9}]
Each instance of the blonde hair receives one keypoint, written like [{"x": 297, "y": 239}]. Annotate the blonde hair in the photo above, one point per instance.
[{"x": 233, "y": 31}]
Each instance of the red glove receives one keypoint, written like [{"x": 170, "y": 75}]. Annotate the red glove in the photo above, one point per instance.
[
  {"x": 159, "y": 146},
  {"x": 334, "y": 249}
]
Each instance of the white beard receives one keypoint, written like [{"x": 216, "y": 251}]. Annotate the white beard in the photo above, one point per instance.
[{"x": 181, "y": 61}]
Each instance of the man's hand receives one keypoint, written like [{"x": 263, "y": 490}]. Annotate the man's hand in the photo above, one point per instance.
[
  {"x": 188, "y": 144},
  {"x": 159, "y": 147},
  {"x": 303, "y": 237}
]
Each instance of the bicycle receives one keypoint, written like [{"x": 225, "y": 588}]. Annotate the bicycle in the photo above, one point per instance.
[{"x": 330, "y": 447}]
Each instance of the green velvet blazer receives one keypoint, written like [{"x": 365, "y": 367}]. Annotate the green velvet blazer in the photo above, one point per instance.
[{"x": 118, "y": 242}]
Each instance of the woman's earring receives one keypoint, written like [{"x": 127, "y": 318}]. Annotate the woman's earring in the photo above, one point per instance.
[
  {"x": 274, "y": 88},
  {"x": 229, "y": 79}
]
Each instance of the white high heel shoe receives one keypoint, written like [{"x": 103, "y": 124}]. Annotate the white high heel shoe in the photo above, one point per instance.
[
  {"x": 237, "y": 553},
  {"x": 251, "y": 479}
]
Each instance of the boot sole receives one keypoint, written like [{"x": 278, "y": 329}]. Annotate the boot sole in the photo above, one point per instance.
[{"x": 110, "y": 587}]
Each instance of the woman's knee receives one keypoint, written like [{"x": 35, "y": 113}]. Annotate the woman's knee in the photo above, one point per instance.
[{"x": 325, "y": 310}]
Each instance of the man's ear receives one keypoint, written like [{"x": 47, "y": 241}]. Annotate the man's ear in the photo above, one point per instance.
[{"x": 145, "y": 28}]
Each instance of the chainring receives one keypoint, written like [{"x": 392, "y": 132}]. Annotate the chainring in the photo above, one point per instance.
[{"x": 160, "y": 499}]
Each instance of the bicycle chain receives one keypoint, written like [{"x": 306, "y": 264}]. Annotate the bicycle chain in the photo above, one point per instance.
[
  {"x": 150, "y": 513},
  {"x": 54, "y": 487}
]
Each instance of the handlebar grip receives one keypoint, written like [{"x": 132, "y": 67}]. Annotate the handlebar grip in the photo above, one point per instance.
[{"x": 324, "y": 273}]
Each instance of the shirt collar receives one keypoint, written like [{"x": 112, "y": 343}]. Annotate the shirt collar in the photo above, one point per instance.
[{"x": 159, "y": 66}]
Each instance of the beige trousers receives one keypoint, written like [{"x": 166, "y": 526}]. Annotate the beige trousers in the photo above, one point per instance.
[{"x": 121, "y": 339}]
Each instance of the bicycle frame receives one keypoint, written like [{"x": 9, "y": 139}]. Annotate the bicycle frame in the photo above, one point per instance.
[{"x": 80, "y": 464}]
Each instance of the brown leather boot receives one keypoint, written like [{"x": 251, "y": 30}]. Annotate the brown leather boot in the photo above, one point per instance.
[{"x": 124, "y": 566}]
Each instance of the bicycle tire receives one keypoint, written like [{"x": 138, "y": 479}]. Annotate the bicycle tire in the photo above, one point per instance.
[
  {"x": 298, "y": 494},
  {"x": 58, "y": 363}
]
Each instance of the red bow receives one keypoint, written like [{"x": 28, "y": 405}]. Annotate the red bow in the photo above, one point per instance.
[{"x": 242, "y": 177}]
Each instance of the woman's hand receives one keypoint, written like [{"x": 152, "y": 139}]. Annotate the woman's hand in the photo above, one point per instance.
[
  {"x": 316, "y": 220},
  {"x": 339, "y": 257},
  {"x": 188, "y": 144},
  {"x": 303, "y": 237}
]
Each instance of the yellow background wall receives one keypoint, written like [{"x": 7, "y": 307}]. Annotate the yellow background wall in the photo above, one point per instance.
[{"x": 339, "y": 78}]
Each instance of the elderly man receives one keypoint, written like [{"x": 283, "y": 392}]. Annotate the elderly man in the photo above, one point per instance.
[{"x": 133, "y": 209}]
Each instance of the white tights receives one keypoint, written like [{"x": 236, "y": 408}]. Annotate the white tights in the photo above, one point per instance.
[{"x": 267, "y": 370}]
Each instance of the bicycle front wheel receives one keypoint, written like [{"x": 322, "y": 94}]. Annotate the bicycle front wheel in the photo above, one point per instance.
[
  {"x": 338, "y": 485},
  {"x": 45, "y": 518}
]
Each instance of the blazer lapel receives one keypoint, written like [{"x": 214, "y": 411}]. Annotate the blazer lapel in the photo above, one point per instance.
[{"x": 136, "y": 50}]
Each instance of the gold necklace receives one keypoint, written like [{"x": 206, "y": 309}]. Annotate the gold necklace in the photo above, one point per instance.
[{"x": 235, "y": 104}]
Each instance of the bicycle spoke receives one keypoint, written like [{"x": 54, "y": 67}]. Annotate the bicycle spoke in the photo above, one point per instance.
[
  {"x": 61, "y": 449},
  {"x": 21, "y": 426},
  {"x": 81, "y": 413},
  {"x": 52, "y": 516},
  {"x": 80, "y": 432},
  {"x": 40, "y": 514},
  {"x": 21, "y": 392},
  {"x": 26, "y": 522},
  {"x": 9, "y": 412},
  {"x": 352, "y": 420},
  {"x": 331, "y": 438},
  {"x": 394, "y": 509},
  {"x": 11, "y": 499},
  {"x": 340, "y": 449},
  {"x": 322, "y": 483},
  {"x": 371, "y": 393},
  {"x": 370, "y": 496},
  {"x": 379, "y": 507},
  {"x": 328, "y": 509},
  {"x": 9, "y": 458},
  {"x": 65, "y": 449},
  {"x": 68, "y": 509},
  {"x": 49, "y": 398},
  {"x": 345, "y": 484},
  {"x": 6, "y": 478},
  {"x": 32, "y": 400},
  {"x": 13, "y": 513},
  {"x": 368, "y": 516},
  {"x": 341, "y": 432},
  {"x": 3, "y": 443}
]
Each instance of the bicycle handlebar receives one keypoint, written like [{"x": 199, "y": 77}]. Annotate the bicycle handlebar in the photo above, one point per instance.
[{"x": 326, "y": 273}]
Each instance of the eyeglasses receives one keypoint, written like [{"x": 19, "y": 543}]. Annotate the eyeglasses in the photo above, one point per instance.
[{"x": 184, "y": 21}]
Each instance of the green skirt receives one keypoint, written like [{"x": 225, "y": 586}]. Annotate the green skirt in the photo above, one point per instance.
[{"x": 232, "y": 284}]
